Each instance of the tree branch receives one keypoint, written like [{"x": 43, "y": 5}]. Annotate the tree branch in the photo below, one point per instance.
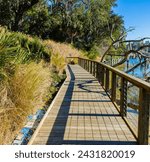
[
  {"x": 24, "y": 7},
  {"x": 132, "y": 51},
  {"x": 139, "y": 40}
]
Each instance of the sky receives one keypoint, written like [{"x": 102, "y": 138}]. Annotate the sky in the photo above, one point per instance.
[{"x": 136, "y": 14}]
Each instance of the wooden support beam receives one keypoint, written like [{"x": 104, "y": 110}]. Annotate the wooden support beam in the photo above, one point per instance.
[
  {"x": 107, "y": 80},
  {"x": 144, "y": 113},
  {"x": 113, "y": 87},
  {"x": 102, "y": 75},
  {"x": 91, "y": 67}
]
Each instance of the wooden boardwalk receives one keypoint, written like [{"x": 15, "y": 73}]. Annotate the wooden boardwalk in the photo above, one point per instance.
[{"x": 82, "y": 113}]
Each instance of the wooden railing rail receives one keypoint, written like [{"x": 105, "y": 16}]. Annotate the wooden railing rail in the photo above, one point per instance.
[{"x": 107, "y": 76}]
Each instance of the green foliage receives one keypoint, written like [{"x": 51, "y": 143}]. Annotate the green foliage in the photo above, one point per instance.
[
  {"x": 12, "y": 12},
  {"x": 85, "y": 28},
  {"x": 12, "y": 45},
  {"x": 92, "y": 54},
  {"x": 28, "y": 79},
  {"x": 82, "y": 24},
  {"x": 37, "y": 21},
  {"x": 34, "y": 48},
  {"x": 17, "y": 48}
]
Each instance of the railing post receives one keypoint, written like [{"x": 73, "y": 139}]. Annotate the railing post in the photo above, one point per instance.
[
  {"x": 91, "y": 67},
  {"x": 96, "y": 75},
  {"x": 113, "y": 87},
  {"x": 107, "y": 80},
  {"x": 143, "y": 121},
  {"x": 98, "y": 72},
  {"x": 102, "y": 75},
  {"x": 79, "y": 61},
  {"x": 123, "y": 97},
  {"x": 86, "y": 65},
  {"x": 82, "y": 63},
  {"x": 94, "y": 68}
]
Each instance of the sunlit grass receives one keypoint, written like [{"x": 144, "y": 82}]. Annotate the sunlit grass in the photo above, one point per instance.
[
  {"x": 63, "y": 49},
  {"x": 30, "y": 69},
  {"x": 24, "y": 94}
]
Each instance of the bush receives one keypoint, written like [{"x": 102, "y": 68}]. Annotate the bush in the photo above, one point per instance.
[
  {"x": 92, "y": 54},
  {"x": 22, "y": 47}
]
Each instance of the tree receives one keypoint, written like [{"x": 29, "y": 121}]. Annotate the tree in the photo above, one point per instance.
[
  {"x": 82, "y": 25},
  {"x": 116, "y": 33},
  {"x": 139, "y": 51},
  {"x": 12, "y": 11},
  {"x": 37, "y": 20},
  {"x": 120, "y": 42}
]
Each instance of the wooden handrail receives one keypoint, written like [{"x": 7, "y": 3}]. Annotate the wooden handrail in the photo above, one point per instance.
[
  {"x": 136, "y": 81},
  {"x": 102, "y": 72}
]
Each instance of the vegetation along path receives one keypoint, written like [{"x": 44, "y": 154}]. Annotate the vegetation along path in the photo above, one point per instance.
[{"x": 82, "y": 113}]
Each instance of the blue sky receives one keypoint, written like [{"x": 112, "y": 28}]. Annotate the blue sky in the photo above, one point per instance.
[{"x": 136, "y": 13}]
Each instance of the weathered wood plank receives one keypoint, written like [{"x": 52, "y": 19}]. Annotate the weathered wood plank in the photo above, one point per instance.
[{"x": 82, "y": 113}]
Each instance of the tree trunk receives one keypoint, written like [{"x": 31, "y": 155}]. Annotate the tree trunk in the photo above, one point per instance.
[{"x": 20, "y": 11}]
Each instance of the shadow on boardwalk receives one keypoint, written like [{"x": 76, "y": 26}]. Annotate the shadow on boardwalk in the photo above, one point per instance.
[
  {"x": 56, "y": 136},
  {"x": 57, "y": 133}
]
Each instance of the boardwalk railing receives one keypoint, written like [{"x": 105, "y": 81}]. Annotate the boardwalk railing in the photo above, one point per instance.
[{"x": 116, "y": 84}]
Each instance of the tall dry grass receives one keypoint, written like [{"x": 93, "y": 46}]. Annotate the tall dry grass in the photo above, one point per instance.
[
  {"x": 59, "y": 52},
  {"x": 26, "y": 82},
  {"x": 25, "y": 92},
  {"x": 63, "y": 49}
]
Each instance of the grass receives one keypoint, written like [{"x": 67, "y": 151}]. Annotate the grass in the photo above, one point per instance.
[
  {"x": 24, "y": 80},
  {"x": 24, "y": 94},
  {"x": 59, "y": 52},
  {"x": 30, "y": 71},
  {"x": 58, "y": 63},
  {"x": 63, "y": 49}
]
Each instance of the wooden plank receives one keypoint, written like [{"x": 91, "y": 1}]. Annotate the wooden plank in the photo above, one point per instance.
[{"x": 87, "y": 117}]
